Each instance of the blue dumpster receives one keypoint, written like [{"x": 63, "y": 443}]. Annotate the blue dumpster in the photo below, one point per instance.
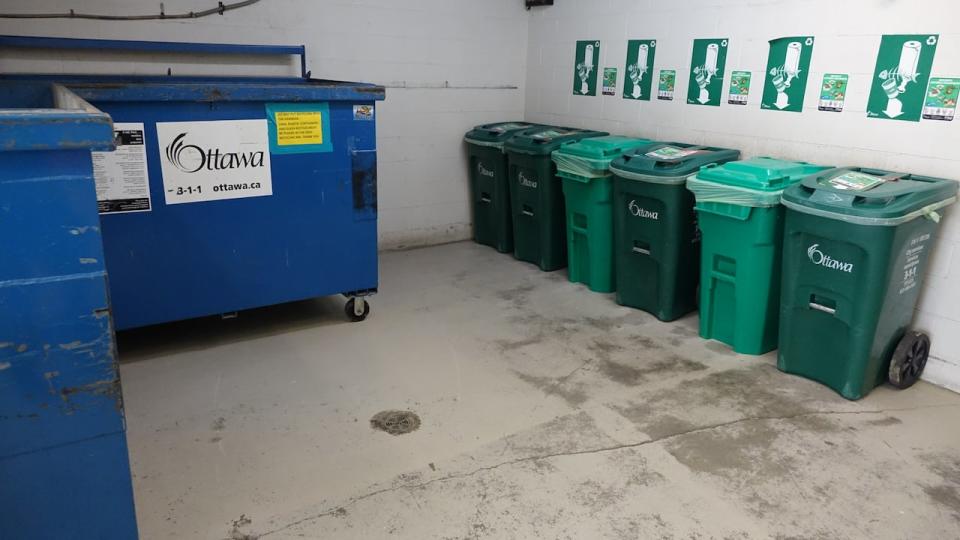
[
  {"x": 230, "y": 193},
  {"x": 64, "y": 470}
]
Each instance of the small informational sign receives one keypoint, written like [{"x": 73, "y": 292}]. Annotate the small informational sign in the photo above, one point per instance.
[
  {"x": 299, "y": 128},
  {"x": 856, "y": 181},
  {"x": 216, "y": 160},
  {"x": 671, "y": 153},
  {"x": 609, "y": 86},
  {"x": 667, "y": 84},
  {"x": 363, "y": 112},
  {"x": 739, "y": 87},
  {"x": 833, "y": 92},
  {"x": 121, "y": 177},
  {"x": 941, "y": 100}
]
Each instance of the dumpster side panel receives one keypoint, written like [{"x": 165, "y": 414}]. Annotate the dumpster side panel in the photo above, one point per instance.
[{"x": 314, "y": 236}]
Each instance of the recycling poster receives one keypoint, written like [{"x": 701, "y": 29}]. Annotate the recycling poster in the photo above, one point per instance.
[
  {"x": 585, "y": 68},
  {"x": 609, "y": 87},
  {"x": 785, "y": 81},
  {"x": 833, "y": 92},
  {"x": 900, "y": 77},
  {"x": 941, "y": 100},
  {"x": 638, "y": 79},
  {"x": 739, "y": 87},
  {"x": 707, "y": 63},
  {"x": 666, "y": 84}
]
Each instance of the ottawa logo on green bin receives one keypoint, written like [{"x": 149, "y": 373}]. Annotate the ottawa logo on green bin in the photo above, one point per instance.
[
  {"x": 526, "y": 182},
  {"x": 820, "y": 258},
  {"x": 483, "y": 170},
  {"x": 641, "y": 212}
]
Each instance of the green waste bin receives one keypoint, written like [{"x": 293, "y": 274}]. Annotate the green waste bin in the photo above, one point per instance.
[
  {"x": 741, "y": 220},
  {"x": 536, "y": 196},
  {"x": 588, "y": 193},
  {"x": 657, "y": 242},
  {"x": 489, "y": 190},
  {"x": 856, "y": 247}
]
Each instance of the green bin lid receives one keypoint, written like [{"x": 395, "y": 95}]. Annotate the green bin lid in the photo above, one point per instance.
[
  {"x": 592, "y": 157},
  {"x": 758, "y": 174},
  {"x": 870, "y": 196},
  {"x": 670, "y": 159},
  {"x": 543, "y": 140},
  {"x": 497, "y": 133}
]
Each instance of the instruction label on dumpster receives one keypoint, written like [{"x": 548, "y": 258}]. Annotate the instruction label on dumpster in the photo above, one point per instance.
[
  {"x": 121, "y": 176},
  {"x": 299, "y": 128},
  {"x": 211, "y": 161}
]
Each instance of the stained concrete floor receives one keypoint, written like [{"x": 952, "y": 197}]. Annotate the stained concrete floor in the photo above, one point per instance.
[{"x": 547, "y": 412}]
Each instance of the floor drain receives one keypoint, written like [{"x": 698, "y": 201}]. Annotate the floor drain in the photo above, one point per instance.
[{"x": 395, "y": 422}]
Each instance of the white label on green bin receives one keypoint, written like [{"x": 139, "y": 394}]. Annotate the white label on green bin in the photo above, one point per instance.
[
  {"x": 911, "y": 265},
  {"x": 855, "y": 181},
  {"x": 552, "y": 134},
  {"x": 671, "y": 152},
  {"x": 211, "y": 161}
]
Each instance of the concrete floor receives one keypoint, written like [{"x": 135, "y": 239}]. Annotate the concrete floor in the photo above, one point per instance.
[{"x": 547, "y": 412}]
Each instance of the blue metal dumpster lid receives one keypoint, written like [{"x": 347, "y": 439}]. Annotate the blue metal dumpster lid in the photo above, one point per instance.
[{"x": 49, "y": 117}]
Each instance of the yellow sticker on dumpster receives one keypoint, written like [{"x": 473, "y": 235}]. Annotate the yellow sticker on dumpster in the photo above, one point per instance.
[{"x": 299, "y": 127}]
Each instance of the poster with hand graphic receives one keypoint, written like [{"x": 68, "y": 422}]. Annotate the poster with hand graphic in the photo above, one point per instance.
[
  {"x": 638, "y": 79},
  {"x": 900, "y": 77},
  {"x": 585, "y": 63},
  {"x": 706, "y": 71},
  {"x": 785, "y": 81}
]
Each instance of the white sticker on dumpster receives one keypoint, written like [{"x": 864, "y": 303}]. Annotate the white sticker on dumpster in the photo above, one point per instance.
[
  {"x": 216, "y": 160},
  {"x": 123, "y": 184}
]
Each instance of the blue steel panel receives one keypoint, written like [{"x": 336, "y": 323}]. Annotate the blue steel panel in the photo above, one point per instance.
[
  {"x": 42, "y": 129},
  {"x": 195, "y": 259}
]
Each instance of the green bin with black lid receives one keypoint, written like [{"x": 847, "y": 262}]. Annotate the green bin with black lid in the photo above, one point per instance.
[
  {"x": 536, "y": 195},
  {"x": 656, "y": 239},
  {"x": 489, "y": 190},
  {"x": 584, "y": 169},
  {"x": 857, "y": 245},
  {"x": 741, "y": 221}
]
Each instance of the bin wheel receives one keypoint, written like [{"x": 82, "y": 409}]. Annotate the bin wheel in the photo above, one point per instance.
[
  {"x": 909, "y": 359},
  {"x": 353, "y": 313}
]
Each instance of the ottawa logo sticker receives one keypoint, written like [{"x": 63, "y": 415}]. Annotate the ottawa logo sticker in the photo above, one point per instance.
[
  {"x": 641, "y": 212},
  {"x": 821, "y": 259}
]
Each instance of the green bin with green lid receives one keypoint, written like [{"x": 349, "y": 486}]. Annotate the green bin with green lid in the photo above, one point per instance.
[
  {"x": 657, "y": 243},
  {"x": 741, "y": 221},
  {"x": 489, "y": 189},
  {"x": 857, "y": 244},
  {"x": 536, "y": 195},
  {"x": 588, "y": 193}
]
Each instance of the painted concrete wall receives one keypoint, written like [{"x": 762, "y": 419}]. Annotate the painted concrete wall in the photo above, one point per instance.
[
  {"x": 448, "y": 65},
  {"x": 847, "y": 37}
]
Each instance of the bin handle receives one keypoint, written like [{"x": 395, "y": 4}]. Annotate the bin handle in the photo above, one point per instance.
[{"x": 29, "y": 42}]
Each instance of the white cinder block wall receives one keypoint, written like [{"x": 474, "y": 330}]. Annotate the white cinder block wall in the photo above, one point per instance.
[
  {"x": 847, "y": 37},
  {"x": 448, "y": 65}
]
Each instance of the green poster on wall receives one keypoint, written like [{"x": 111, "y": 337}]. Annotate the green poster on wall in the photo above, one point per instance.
[
  {"x": 639, "y": 71},
  {"x": 739, "y": 87},
  {"x": 585, "y": 68},
  {"x": 785, "y": 81},
  {"x": 833, "y": 91},
  {"x": 666, "y": 84},
  {"x": 706, "y": 71},
  {"x": 609, "y": 85},
  {"x": 901, "y": 75},
  {"x": 941, "y": 100}
]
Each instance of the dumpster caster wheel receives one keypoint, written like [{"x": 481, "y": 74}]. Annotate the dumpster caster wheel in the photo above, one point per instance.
[
  {"x": 357, "y": 309},
  {"x": 909, "y": 359}
]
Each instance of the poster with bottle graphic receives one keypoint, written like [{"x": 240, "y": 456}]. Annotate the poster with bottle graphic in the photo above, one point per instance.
[
  {"x": 638, "y": 74},
  {"x": 785, "y": 81},
  {"x": 833, "y": 92},
  {"x": 900, "y": 77},
  {"x": 739, "y": 87},
  {"x": 666, "y": 84},
  {"x": 941, "y": 100},
  {"x": 609, "y": 86},
  {"x": 585, "y": 66},
  {"x": 707, "y": 63}
]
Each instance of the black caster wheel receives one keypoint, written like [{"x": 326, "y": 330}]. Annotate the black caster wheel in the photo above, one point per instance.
[
  {"x": 909, "y": 359},
  {"x": 351, "y": 309}
]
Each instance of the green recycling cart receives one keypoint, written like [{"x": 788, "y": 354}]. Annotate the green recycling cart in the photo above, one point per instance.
[
  {"x": 489, "y": 190},
  {"x": 741, "y": 219},
  {"x": 856, "y": 247},
  {"x": 588, "y": 193},
  {"x": 536, "y": 196},
  {"x": 657, "y": 243}
]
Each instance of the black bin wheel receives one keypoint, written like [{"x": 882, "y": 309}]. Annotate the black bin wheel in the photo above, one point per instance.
[
  {"x": 349, "y": 309},
  {"x": 909, "y": 359}
]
